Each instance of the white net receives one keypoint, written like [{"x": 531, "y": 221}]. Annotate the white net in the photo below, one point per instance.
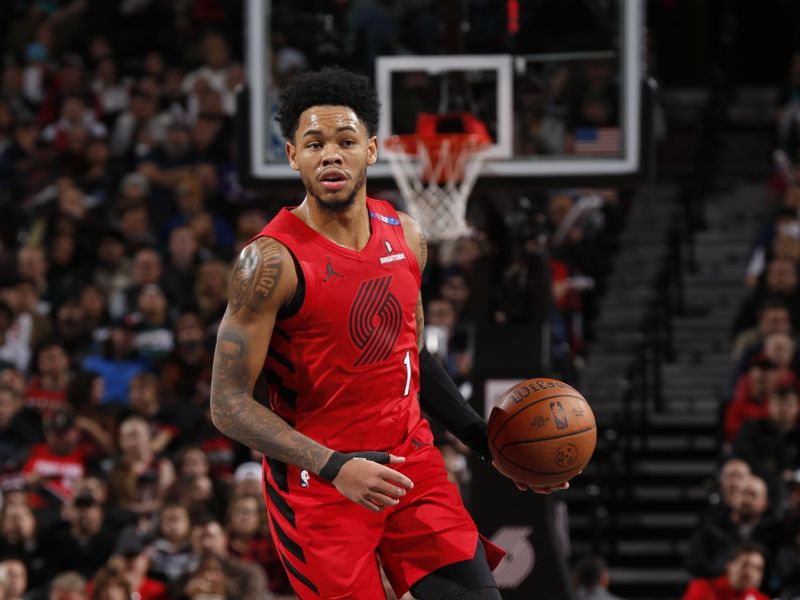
[{"x": 436, "y": 178}]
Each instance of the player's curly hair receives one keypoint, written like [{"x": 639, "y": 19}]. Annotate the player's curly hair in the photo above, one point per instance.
[{"x": 332, "y": 86}]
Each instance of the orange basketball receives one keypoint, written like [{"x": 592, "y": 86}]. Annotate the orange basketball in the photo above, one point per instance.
[{"x": 542, "y": 432}]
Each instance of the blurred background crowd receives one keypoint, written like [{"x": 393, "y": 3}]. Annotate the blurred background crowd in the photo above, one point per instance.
[{"x": 120, "y": 210}]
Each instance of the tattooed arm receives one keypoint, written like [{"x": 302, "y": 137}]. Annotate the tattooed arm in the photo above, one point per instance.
[{"x": 264, "y": 278}]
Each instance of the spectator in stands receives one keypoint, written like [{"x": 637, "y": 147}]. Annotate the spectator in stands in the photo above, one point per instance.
[
  {"x": 248, "y": 539},
  {"x": 68, "y": 586},
  {"x": 591, "y": 579},
  {"x": 20, "y": 427},
  {"x": 111, "y": 584},
  {"x": 171, "y": 555},
  {"x": 154, "y": 339},
  {"x": 131, "y": 558},
  {"x": 780, "y": 281},
  {"x": 771, "y": 445},
  {"x": 47, "y": 390},
  {"x": 53, "y": 467},
  {"x": 83, "y": 543},
  {"x": 118, "y": 362},
  {"x": 16, "y": 576},
  {"x": 202, "y": 492},
  {"x": 181, "y": 266},
  {"x": 242, "y": 579},
  {"x": 140, "y": 478},
  {"x": 19, "y": 538},
  {"x": 750, "y": 519},
  {"x": 744, "y": 571},
  {"x": 186, "y": 376},
  {"x": 165, "y": 423},
  {"x": 212, "y": 291},
  {"x": 732, "y": 475},
  {"x": 773, "y": 317}
]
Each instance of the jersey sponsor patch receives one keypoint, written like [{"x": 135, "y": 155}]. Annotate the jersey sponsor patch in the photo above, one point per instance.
[
  {"x": 384, "y": 218},
  {"x": 393, "y": 258}
]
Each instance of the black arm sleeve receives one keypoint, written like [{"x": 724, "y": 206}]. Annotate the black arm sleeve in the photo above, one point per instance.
[{"x": 441, "y": 400}]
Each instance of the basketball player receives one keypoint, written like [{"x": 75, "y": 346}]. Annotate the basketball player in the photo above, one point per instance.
[{"x": 324, "y": 321}]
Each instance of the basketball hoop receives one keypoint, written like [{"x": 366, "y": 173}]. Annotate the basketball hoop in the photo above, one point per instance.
[{"x": 436, "y": 170}]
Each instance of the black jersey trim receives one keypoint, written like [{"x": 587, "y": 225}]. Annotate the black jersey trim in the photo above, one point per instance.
[
  {"x": 297, "y": 574},
  {"x": 288, "y": 542},
  {"x": 294, "y": 305},
  {"x": 280, "y": 359},
  {"x": 285, "y": 393},
  {"x": 279, "y": 471},
  {"x": 282, "y": 333},
  {"x": 280, "y": 504}
]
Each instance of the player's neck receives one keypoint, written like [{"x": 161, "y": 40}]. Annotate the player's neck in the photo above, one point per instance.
[{"x": 348, "y": 228}]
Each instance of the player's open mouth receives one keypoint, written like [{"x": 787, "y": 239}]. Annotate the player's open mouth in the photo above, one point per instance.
[{"x": 333, "y": 179}]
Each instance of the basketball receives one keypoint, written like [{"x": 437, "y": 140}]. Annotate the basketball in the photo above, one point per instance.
[{"x": 542, "y": 432}]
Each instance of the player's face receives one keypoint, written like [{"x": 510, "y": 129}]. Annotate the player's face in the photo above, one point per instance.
[{"x": 332, "y": 150}]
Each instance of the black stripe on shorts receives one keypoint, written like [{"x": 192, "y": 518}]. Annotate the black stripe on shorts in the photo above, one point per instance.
[
  {"x": 280, "y": 503},
  {"x": 288, "y": 542},
  {"x": 297, "y": 574}
]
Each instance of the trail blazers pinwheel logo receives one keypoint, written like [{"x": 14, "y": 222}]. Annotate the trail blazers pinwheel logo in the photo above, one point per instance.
[{"x": 375, "y": 319}]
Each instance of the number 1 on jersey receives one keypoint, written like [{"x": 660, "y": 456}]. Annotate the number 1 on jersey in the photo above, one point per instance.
[{"x": 407, "y": 363}]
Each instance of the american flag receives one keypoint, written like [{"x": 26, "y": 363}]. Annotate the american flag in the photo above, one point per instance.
[{"x": 597, "y": 140}]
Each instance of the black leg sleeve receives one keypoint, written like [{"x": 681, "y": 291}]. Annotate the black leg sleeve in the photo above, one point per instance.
[{"x": 465, "y": 580}]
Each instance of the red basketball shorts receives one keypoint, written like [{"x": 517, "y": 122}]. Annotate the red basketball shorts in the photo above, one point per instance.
[{"x": 331, "y": 546}]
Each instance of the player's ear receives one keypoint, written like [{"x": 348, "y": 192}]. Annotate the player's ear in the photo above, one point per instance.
[
  {"x": 291, "y": 154},
  {"x": 372, "y": 150}
]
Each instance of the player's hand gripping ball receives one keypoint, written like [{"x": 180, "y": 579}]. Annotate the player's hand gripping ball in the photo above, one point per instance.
[{"x": 542, "y": 433}]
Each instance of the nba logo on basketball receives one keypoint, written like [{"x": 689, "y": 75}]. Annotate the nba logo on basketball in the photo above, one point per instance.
[{"x": 559, "y": 415}]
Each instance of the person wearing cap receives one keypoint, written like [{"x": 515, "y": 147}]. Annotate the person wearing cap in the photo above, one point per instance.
[
  {"x": 83, "y": 542},
  {"x": 131, "y": 558},
  {"x": 53, "y": 467}
]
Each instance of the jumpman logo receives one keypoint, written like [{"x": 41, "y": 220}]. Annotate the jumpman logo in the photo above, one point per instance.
[{"x": 329, "y": 272}]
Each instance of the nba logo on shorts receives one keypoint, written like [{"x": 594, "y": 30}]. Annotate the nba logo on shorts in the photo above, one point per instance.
[{"x": 304, "y": 478}]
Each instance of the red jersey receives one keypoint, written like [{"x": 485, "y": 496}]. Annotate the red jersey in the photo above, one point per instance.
[{"x": 344, "y": 369}]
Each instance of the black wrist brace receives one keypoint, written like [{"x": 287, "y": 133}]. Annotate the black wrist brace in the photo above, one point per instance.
[{"x": 338, "y": 459}]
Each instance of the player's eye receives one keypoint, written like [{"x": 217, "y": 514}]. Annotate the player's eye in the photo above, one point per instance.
[
  {"x": 314, "y": 145},
  {"x": 348, "y": 143}
]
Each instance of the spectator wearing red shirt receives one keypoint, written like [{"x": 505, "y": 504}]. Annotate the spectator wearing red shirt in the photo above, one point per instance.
[
  {"x": 53, "y": 467},
  {"x": 743, "y": 574},
  {"x": 47, "y": 390}
]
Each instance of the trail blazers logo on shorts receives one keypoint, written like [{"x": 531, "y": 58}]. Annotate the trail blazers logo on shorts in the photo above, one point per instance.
[{"x": 375, "y": 319}]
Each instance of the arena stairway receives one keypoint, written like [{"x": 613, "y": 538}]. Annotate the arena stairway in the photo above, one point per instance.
[{"x": 639, "y": 500}]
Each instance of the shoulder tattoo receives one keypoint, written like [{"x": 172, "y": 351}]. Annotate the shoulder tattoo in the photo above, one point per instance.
[{"x": 256, "y": 275}]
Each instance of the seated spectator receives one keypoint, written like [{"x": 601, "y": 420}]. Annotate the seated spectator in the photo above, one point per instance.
[
  {"x": 82, "y": 543},
  {"x": 749, "y": 520},
  {"x": 154, "y": 338},
  {"x": 47, "y": 390},
  {"x": 249, "y": 539},
  {"x": 18, "y": 538},
  {"x": 773, "y": 317},
  {"x": 780, "y": 281},
  {"x": 140, "y": 478},
  {"x": 186, "y": 375},
  {"x": 592, "y": 579},
  {"x": 212, "y": 291},
  {"x": 20, "y": 428},
  {"x": 53, "y": 467},
  {"x": 242, "y": 579},
  {"x": 247, "y": 480},
  {"x": 750, "y": 395},
  {"x": 110, "y": 584},
  {"x": 744, "y": 571},
  {"x": 171, "y": 551},
  {"x": 181, "y": 266},
  {"x": 16, "y": 577},
  {"x": 132, "y": 558},
  {"x": 732, "y": 475},
  {"x": 771, "y": 445},
  {"x": 147, "y": 269},
  {"x": 118, "y": 362},
  {"x": 192, "y": 463},
  {"x": 166, "y": 423},
  {"x": 15, "y": 350},
  {"x": 68, "y": 586}
]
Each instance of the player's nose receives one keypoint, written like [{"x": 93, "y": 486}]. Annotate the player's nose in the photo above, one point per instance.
[{"x": 331, "y": 155}]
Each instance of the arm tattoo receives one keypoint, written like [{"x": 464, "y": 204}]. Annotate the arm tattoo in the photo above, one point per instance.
[
  {"x": 419, "y": 315},
  {"x": 423, "y": 249},
  {"x": 255, "y": 275},
  {"x": 234, "y": 411},
  {"x": 239, "y": 416}
]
